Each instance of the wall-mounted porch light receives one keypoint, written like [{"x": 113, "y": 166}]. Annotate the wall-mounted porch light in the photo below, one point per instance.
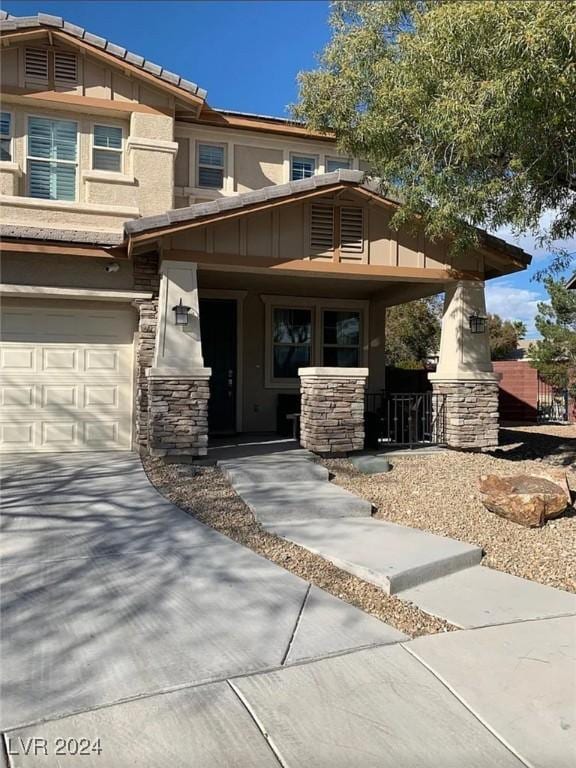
[
  {"x": 181, "y": 313},
  {"x": 477, "y": 323}
]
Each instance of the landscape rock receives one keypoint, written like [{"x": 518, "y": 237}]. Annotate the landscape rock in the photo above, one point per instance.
[{"x": 524, "y": 499}]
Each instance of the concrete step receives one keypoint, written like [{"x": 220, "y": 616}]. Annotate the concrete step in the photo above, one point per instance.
[
  {"x": 244, "y": 473},
  {"x": 391, "y": 556},
  {"x": 481, "y": 596},
  {"x": 295, "y": 499}
]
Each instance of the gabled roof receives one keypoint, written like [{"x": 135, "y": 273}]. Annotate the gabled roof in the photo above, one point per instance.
[
  {"x": 177, "y": 218},
  {"x": 15, "y": 24}
]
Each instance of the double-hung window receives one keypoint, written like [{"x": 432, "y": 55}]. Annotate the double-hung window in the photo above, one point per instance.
[
  {"x": 107, "y": 148},
  {"x": 340, "y": 338},
  {"x": 211, "y": 166},
  {"x": 5, "y": 136},
  {"x": 302, "y": 167},
  {"x": 336, "y": 163},
  {"x": 291, "y": 340},
  {"x": 52, "y": 158}
]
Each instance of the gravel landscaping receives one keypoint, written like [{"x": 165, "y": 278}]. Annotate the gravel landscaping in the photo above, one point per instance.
[
  {"x": 205, "y": 494},
  {"x": 438, "y": 492}
]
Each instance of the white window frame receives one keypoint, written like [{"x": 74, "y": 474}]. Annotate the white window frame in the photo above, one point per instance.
[
  {"x": 107, "y": 149},
  {"x": 10, "y": 136},
  {"x": 304, "y": 156},
  {"x": 334, "y": 158},
  {"x": 317, "y": 306},
  {"x": 43, "y": 159},
  {"x": 221, "y": 145}
]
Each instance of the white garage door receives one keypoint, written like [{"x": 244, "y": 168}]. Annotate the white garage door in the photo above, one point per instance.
[{"x": 66, "y": 378}]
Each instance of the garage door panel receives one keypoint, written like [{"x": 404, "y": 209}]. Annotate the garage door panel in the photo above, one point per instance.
[{"x": 65, "y": 392}]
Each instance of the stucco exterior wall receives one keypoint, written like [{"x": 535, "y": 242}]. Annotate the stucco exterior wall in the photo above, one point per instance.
[
  {"x": 65, "y": 271},
  {"x": 256, "y": 167}
]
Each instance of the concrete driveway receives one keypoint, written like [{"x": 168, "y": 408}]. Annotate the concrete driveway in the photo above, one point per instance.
[{"x": 134, "y": 635}]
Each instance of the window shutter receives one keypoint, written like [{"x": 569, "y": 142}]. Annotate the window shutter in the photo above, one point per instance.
[
  {"x": 36, "y": 63},
  {"x": 65, "y": 67},
  {"x": 352, "y": 229},
  {"x": 322, "y": 228}
]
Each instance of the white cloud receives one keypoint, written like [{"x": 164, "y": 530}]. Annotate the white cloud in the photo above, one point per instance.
[{"x": 513, "y": 303}]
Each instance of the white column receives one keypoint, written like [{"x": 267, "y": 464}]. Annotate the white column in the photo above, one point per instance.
[
  {"x": 463, "y": 355},
  {"x": 178, "y": 347}
]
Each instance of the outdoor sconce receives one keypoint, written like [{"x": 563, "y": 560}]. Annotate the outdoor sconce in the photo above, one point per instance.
[
  {"x": 477, "y": 323},
  {"x": 181, "y": 313}
]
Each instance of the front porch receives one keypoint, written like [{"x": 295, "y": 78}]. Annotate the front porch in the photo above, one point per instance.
[{"x": 285, "y": 309}]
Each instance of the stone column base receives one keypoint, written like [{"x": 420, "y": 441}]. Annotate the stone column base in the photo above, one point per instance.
[
  {"x": 470, "y": 412},
  {"x": 178, "y": 413},
  {"x": 332, "y": 410}
]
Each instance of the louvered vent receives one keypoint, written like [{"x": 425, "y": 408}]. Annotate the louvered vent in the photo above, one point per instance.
[
  {"x": 65, "y": 67},
  {"x": 321, "y": 228},
  {"x": 352, "y": 229},
  {"x": 36, "y": 63}
]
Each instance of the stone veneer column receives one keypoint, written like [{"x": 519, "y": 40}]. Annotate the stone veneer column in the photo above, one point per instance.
[
  {"x": 465, "y": 375},
  {"x": 332, "y": 409},
  {"x": 146, "y": 278},
  {"x": 178, "y": 414},
  {"x": 178, "y": 382}
]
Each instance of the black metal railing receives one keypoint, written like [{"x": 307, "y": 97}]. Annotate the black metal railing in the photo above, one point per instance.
[
  {"x": 553, "y": 403},
  {"x": 406, "y": 418}
]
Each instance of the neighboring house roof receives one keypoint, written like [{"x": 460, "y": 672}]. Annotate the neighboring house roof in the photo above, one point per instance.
[
  {"x": 10, "y": 24},
  {"x": 294, "y": 189}
]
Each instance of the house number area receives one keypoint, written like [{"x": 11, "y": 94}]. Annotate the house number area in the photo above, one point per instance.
[{"x": 63, "y": 747}]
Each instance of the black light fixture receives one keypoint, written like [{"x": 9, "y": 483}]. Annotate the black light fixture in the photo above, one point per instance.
[
  {"x": 477, "y": 323},
  {"x": 181, "y": 313}
]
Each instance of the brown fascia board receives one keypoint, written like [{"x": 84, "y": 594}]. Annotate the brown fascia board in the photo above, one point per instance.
[
  {"x": 114, "y": 55},
  {"x": 220, "y": 118}
]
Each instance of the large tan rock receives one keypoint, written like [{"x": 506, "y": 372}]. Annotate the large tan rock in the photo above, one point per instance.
[{"x": 524, "y": 499}]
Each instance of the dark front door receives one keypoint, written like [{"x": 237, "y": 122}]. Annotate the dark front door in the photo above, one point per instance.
[{"x": 218, "y": 329}]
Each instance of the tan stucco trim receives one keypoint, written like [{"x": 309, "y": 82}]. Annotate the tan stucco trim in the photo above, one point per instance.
[
  {"x": 152, "y": 145},
  {"x": 73, "y": 207},
  {"x": 50, "y": 292}
]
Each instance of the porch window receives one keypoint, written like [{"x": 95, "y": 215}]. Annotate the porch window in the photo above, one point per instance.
[
  {"x": 336, "y": 163},
  {"x": 107, "y": 149},
  {"x": 52, "y": 158},
  {"x": 292, "y": 341},
  {"x": 211, "y": 166},
  {"x": 341, "y": 338},
  {"x": 5, "y": 136},
  {"x": 302, "y": 167}
]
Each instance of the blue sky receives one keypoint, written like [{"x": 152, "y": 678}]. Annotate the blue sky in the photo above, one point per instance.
[{"x": 247, "y": 56}]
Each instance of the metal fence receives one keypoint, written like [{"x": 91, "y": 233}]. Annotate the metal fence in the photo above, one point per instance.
[
  {"x": 405, "y": 419},
  {"x": 553, "y": 403}
]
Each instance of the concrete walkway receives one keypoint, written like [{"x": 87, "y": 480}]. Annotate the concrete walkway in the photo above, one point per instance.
[
  {"x": 159, "y": 642},
  {"x": 440, "y": 575}
]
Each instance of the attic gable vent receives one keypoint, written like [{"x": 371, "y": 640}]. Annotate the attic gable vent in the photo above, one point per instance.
[
  {"x": 352, "y": 229},
  {"x": 322, "y": 228},
  {"x": 65, "y": 67},
  {"x": 36, "y": 63}
]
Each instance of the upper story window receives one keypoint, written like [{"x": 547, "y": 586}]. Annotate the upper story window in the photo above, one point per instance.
[
  {"x": 37, "y": 62},
  {"x": 52, "y": 158},
  {"x": 5, "y": 136},
  {"x": 211, "y": 166},
  {"x": 107, "y": 148},
  {"x": 336, "y": 163},
  {"x": 302, "y": 167}
]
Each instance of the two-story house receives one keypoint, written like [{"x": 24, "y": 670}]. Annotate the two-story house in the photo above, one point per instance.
[{"x": 169, "y": 268}]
